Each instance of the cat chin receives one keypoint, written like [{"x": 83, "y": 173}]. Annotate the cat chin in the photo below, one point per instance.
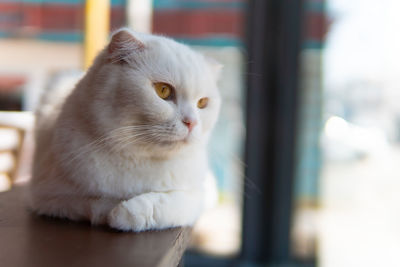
[
  {"x": 178, "y": 144},
  {"x": 164, "y": 152},
  {"x": 187, "y": 140},
  {"x": 165, "y": 148}
]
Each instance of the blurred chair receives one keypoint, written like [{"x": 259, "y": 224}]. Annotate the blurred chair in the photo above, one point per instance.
[{"x": 14, "y": 127}]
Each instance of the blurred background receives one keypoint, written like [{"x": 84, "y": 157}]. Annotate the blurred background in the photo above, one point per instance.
[{"x": 344, "y": 192}]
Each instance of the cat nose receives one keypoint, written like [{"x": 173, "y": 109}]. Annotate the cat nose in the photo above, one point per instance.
[{"x": 190, "y": 123}]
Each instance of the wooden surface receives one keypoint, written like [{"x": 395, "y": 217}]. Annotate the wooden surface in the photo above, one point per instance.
[{"x": 30, "y": 240}]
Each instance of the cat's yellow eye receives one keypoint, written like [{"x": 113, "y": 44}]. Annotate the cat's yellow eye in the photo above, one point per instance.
[
  {"x": 163, "y": 90},
  {"x": 203, "y": 102}
]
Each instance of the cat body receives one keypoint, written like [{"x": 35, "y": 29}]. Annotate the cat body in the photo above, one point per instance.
[{"x": 127, "y": 147}]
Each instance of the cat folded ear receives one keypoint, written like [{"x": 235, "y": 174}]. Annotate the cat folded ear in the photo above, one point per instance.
[
  {"x": 215, "y": 66},
  {"x": 122, "y": 45}
]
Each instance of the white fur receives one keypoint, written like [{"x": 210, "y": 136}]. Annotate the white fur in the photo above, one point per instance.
[{"x": 117, "y": 153}]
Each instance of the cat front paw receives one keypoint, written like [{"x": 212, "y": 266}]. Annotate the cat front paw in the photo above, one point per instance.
[{"x": 131, "y": 215}]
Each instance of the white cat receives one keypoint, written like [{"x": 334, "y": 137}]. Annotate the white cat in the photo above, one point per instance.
[{"x": 127, "y": 147}]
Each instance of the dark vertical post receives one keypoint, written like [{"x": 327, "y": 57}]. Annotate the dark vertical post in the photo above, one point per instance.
[{"x": 273, "y": 42}]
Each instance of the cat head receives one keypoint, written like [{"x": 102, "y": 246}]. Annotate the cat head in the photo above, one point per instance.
[{"x": 153, "y": 94}]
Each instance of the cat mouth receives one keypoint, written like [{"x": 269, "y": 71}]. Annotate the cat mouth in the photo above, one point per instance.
[{"x": 187, "y": 138}]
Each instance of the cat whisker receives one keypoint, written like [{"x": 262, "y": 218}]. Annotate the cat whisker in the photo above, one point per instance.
[
  {"x": 93, "y": 146},
  {"x": 127, "y": 141}
]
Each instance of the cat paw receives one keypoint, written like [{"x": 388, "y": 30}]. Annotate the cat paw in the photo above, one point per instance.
[{"x": 131, "y": 216}]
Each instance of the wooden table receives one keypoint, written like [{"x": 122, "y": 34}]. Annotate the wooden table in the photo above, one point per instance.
[{"x": 30, "y": 240}]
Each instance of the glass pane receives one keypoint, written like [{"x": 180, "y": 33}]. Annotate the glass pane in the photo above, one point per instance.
[
  {"x": 349, "y": 138},
  {"x": 309, "y": 161}
]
